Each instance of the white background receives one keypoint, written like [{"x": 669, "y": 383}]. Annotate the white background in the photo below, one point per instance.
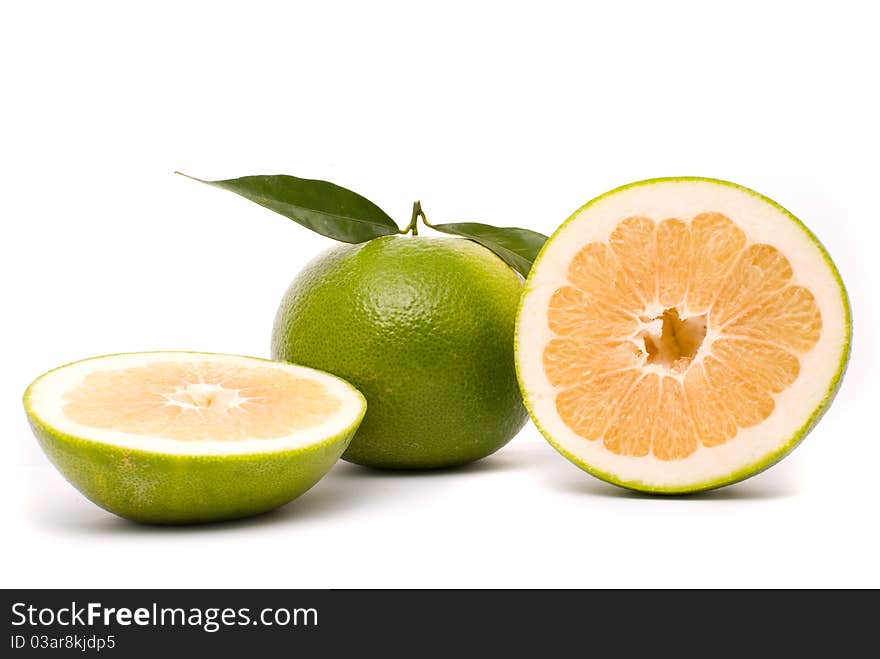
[{"x": 507, "y": 113}]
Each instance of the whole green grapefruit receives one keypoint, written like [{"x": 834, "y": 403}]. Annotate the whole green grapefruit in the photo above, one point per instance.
[{"x": 424, "y": 328}]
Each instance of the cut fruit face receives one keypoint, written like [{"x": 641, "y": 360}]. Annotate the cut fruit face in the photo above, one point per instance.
[
  {"x": 179, "y": 437},
  {"x": 680, "y": 334},
  {"x": 191, "y": 403}
]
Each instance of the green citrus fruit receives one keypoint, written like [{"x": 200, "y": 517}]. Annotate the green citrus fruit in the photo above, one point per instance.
[
  {"x": 178, "y": 437},
  {"x": 681, "y": 334},
  {"x": 424, "y": 328}
]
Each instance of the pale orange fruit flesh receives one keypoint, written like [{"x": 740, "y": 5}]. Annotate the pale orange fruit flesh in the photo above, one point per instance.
[
  {"x": 675, "y": 333},
  {"x": 199, "y": 400}
]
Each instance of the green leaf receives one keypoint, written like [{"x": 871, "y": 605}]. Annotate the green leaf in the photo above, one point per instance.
[
  {"x": 516, "y": 247},
  {"x": 320, "y": 206}
]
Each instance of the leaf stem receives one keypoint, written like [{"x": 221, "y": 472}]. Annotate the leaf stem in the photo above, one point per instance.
[{"x": 425, "y": 218}]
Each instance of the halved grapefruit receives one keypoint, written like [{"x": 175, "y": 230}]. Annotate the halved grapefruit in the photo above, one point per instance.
[
  {"x": 179, "y": 437},
  {"x": 680, "y": 334}
]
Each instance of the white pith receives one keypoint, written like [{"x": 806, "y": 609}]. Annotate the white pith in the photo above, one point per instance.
[
  {"x": 762, "y": 223},
  {"x": 45, "y": 400},
  {"x": 196, "y": 395}
]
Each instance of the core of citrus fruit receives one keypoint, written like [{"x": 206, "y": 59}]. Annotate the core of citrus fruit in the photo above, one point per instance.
[
  {"x": 680, "y": 334},
  {"x": 424, "y": 328},
  {"x": 178, "y": 437}
]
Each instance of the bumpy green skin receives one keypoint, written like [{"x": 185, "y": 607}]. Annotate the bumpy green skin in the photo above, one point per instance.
[
  {"x": 423, "y": 327},
  {"x": 787, "y": 446},
  {"x": 175, "y": 489},
  {"x": 160, "y": 488}
]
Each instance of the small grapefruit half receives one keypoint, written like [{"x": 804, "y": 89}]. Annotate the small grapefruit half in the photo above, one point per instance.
[
  {"x": 680, "y": 334},
  {"x": 179, "y": 437}
]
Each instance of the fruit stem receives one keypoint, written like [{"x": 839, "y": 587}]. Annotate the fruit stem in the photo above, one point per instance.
[
  {"x": 413, "y": 225},
  {"x": 414, "y": 220}
]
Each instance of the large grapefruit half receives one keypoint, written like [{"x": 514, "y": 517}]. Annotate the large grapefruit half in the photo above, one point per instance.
[{"x": 680, "y": 334}]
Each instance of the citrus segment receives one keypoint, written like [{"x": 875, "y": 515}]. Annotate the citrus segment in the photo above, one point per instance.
[
  {"x": 716, "y": 243},
  {"x": 769, "y": 366},
  {"x": 789, "y": 319},
  {"x": 674, "y": 437},
  {"x": 673, "y": 261},
  {"x": 713, "y": 422},
  {"x": 666, "y": 337},
  {"x": 594, "y": 271},
  {"x": 574, "y": 314},
  {"x": 630, "y": 432},
  {"x": 746, "y": 401},
  {"x": 633, "y": 243},
  {"x": 760, "y": 272}
]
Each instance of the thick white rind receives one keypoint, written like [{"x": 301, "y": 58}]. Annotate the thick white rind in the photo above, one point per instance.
[
  {"x": 45, "y": 401},
  {"x": 683, "y": 199}
]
